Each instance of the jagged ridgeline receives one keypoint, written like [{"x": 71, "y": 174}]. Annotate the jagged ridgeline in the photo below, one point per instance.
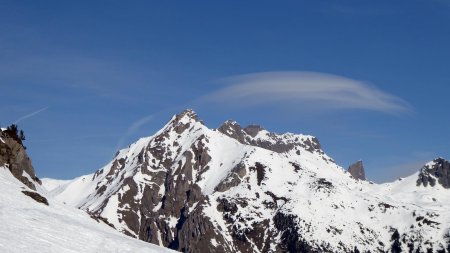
[{"x": 245, "y": 189}]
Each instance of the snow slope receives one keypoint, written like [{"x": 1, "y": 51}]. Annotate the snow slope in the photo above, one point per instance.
[{"x": 29, "y": 226}]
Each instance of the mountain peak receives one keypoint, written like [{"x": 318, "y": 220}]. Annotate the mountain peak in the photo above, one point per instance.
[
  {"x": 182, "y": 121},
  {"x": 184, "y": 117},
  {"x": 357, "y": 170},
  {"x": 436, "y": 170},
  {"x": 187, "y": 113},
  {"x": 233, "y": 130},
  {"x": 230, "y": 123},
  {"x": 437, "y": 160}
]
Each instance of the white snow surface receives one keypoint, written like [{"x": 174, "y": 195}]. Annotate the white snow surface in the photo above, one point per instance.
[
  {"x": 53, "y": 184},
  {"x": 332, "y": 207},
  {"x": 29, "y": 226}
]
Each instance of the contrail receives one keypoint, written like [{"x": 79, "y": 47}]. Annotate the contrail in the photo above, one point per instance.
[
  {"x": 142, "y": 121},
  {"x": 30, "y": 115},
  {"x": 135, "y": 126}
]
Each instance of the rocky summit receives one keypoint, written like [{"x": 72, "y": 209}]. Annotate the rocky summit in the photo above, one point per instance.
[{"x": 245, "y": 189}]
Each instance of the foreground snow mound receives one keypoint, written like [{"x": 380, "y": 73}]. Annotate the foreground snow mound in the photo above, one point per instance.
[
  {"x": 31, "y": 226},
  {"x": 234, "y": 189}
]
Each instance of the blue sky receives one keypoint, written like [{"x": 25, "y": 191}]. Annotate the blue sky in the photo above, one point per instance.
[{"x": 370, "y": 79}]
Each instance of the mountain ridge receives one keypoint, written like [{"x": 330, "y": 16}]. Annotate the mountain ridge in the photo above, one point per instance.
[{"x": 195, "y": 189}]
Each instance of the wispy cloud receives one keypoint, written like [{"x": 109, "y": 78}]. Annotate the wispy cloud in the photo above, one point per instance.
[
  {"x": 310, "y": 88},
  {"x": 30, "y": 115},
  {"x": 133, "y": 128}
]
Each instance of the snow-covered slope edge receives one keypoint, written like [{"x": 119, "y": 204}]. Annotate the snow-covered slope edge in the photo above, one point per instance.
[
  {"x": 234, "y": 189},
  {"x": 29, "y": 226}
]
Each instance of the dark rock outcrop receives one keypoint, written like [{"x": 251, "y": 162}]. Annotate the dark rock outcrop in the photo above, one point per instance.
[
  {"x": 357, "y": 170},
  {"x": 36, "y": 196},
  {"x": 14, "y": 156},
  {"x": 233, "y": 129},
  {"x": 437, "y": 171},
  {"x": 253, "y": 130},
  {"x": 291, "y": 240}
]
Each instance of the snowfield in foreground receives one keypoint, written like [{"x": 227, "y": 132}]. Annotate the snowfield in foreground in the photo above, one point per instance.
[{"x": 29, "y": 226}]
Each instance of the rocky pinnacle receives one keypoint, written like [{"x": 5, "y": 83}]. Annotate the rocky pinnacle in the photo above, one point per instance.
[{"x": 357, "y": 170}]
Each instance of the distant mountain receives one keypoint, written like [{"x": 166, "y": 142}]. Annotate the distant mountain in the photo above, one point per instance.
[
  {"x": 234, "y": 189},
  {"x": 31, "y": 221},
  {"x": 435, "y": 172}
]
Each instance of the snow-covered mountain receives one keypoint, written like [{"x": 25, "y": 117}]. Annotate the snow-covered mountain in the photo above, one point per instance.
[
  {"x": 234, "y": 189},
  {"x": 31, "y": 221},
  {"x": 30, "y": 226}
]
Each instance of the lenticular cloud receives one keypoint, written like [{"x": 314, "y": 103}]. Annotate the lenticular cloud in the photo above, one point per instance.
[{"x": 326, "y": 90}]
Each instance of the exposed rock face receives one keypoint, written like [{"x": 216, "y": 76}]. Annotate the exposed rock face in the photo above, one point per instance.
[
  {"x": 257, "y": 136},
  {"x": 437, "y": 171},
  {"x": 357, "y": 170},
  {"x": 234, "y": 130},
  {"x": 236, "y": 189},
  {"x": 36, "y": 196},
  {"x": 15, "y": 158}
]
